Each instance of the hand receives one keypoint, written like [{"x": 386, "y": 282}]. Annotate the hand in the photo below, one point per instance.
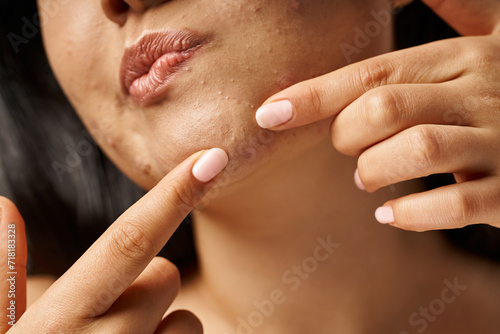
[
  {"x": 411, "y": 113},
  {"x": 118, "y": 285}
]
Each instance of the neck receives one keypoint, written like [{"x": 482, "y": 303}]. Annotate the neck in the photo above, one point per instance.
[{"x": 303, "y": 237}]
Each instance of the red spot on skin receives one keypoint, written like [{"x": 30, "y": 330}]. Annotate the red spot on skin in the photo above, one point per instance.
[
  {"x": 295, "y": 4},
  {"x": 111, "y": 143},
  {"x": 146, "y": 169}
]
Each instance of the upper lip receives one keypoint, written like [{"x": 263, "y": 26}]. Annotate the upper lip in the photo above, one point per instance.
[{"x": 138, "y": 58}]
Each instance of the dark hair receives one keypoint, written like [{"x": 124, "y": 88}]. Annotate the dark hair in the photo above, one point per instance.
[{"x": 66, "y": 188}]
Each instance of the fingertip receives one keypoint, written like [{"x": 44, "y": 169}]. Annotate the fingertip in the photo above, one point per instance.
[
  {"x": 181, "y": 321},
  {"x": 9, "y": 211},
  {"x": 210, "y": 164},
  {"x": 357, "y": 180},
  {"x": 385, "y": 215},
  {"x": 274, "y": 114},
  {"x": 5, "y": 202}
]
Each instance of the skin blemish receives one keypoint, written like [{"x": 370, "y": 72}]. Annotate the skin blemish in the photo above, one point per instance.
[
  {"x": 143, "y": 167},
  {"x": 296, "y": 5},
  {"x": 111, "y": 142}
]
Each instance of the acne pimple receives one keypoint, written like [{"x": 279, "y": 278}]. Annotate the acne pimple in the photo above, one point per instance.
[
  {"x": 111, "y": 143},
  {"x": 142, "y": 166},
  {"x": 296, "y": 5}
]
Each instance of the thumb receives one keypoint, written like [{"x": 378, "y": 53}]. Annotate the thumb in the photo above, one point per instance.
[
  {"x": 13, "y": 256},
  {"x": 469, "y": 17}
]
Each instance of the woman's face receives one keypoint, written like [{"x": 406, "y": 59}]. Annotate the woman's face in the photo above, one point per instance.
[{"x": 242, "y": 51}]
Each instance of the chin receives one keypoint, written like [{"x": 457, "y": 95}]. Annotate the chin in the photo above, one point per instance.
[
  {"x": 250, "y": 148},
  {"x": 206, "y": 113}
]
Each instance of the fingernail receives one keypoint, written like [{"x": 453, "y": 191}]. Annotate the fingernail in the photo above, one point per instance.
[
  {"x": 357, "y": 181},
  {"x": 211, "y": 163},
  {"x": 384, "y": 215},
  {"x": 273, "y": 114}
]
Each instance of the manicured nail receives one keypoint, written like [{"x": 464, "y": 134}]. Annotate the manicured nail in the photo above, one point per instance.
[
  {"x": 273, "y": 114},
  {"x": 211, "y": 163},
  {"x": 384, "y": 215},
  {"x": 357, "y": 181}
]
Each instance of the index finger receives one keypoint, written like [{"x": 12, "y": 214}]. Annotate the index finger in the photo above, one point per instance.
[
  {"x": 326, "y": 96},
  {"x": 115, "y": 260}
]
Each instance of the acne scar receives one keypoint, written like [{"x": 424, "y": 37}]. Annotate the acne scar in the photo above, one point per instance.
[{"x": 143, "y": 167}]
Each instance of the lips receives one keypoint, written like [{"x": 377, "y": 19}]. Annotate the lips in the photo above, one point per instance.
[{"x": 149, "y": 65}]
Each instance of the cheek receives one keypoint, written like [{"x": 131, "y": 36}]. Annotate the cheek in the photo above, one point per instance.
[
  {"x": 74, "y": 38},
  {"x": 259, "y": 48}
]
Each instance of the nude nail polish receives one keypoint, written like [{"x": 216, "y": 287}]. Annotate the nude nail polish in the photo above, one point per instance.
[
  {"x": 211, "y": 163},
  {"x": 384, "y": 215},
  {"x": 273, "y": 114},
  {"x": 357, "y": 181}
]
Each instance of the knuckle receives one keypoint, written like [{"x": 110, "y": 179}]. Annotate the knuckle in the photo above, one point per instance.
[
  {"x": 461, "y": 208},
  {"x": 382, "y": 108},
  {"x": 481, "y": 56},
  {"x": 130, "y": 241},
  {"x": 425, "y": 147},
  {"x": 373, "y": 73},
  {"x": 314, "y": 97}
]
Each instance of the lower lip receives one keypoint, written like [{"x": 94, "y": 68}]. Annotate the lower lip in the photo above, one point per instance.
[{"x": 153, "y": 85}]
